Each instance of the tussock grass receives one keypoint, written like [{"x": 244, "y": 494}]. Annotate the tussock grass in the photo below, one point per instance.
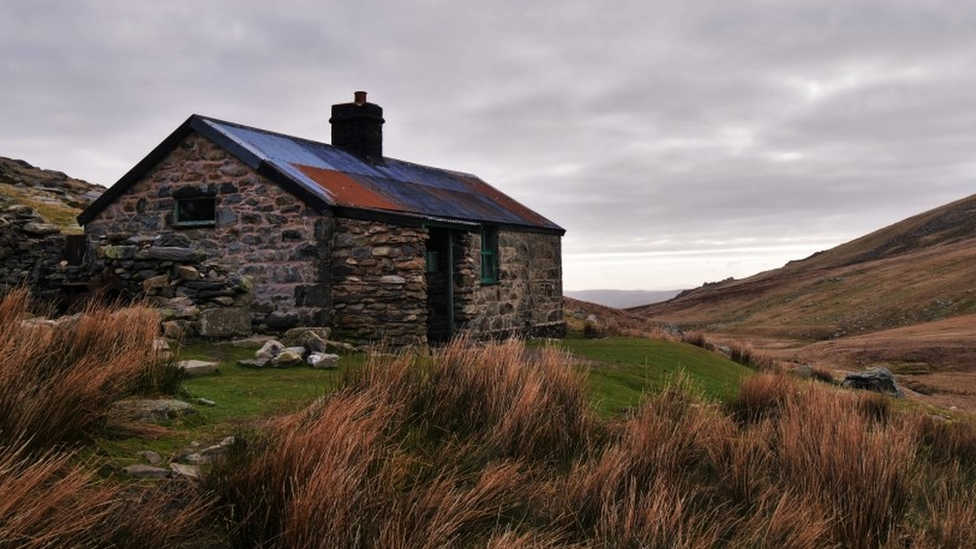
[
  {"x": 434, "y": 460},
  {"x": 57, "y": 384},
  {"x": 485, "y": 445},
  {"x": 59, "y": 379}
]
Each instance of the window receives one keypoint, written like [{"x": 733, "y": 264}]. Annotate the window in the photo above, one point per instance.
[
  {"x": 195, "y": 212},
  {"x": 489, "y": 255}
]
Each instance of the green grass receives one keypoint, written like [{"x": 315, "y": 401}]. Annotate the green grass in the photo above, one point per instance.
[
  {"x": 623, "y": 370},
  {"x": 242, "y": 396}
]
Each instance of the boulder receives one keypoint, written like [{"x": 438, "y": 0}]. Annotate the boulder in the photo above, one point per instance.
[
  {"x": 154, "y": 410},
  {"x": 198, "y": 367},
  {"x": 298, "y": 349},
  {"x": 879, "y": 380},
  {"x": 803, "y": 372},
  {"x": 323, "y": 361},
  {"x": 150, "y": 457},
  {"x": 183, "y": 470},
  {"x": 286, "y": 359},
  {"x": 269, "y": 350},
  {"x": 141, "y": 470},
  {"x": 225, "y": 322},
  {"x": 313, "y": 343}
]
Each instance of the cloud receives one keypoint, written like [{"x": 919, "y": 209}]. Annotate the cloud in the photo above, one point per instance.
[{"x": 749, "y": 132}]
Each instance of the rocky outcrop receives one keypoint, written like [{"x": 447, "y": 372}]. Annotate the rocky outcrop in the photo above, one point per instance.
[
  {"x": 879, "y": 380},
  {"x": 46, "y": 186}
]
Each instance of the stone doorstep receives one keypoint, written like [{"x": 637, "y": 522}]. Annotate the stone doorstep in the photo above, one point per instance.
[{"x": 195, "y": 368}]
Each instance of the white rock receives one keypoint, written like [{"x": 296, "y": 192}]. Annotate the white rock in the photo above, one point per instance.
[
  {"x": 198, "y": 367},
  {"x": 189, "y": 471},
  {"x": 323, "y": 361},
  {"x": 269, "y": 350}
]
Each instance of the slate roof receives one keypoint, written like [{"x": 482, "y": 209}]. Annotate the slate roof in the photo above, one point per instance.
[{"x": 327, "y": 177}]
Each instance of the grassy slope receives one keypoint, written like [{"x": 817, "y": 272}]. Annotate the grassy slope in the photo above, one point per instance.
[
  {"x": 623, "y": 370},
  {"x": 919, "y": 270}
]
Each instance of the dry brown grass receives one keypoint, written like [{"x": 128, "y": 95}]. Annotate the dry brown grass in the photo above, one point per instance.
[
  {"x": 45, "y": 502},
  {"x": 448, "y": 453},
  {"x": 495, "y": 446},
  {"x": 48, "y": 500},
  {"x": 59, "y": 379},
  {"x": 57, "y": 383}
]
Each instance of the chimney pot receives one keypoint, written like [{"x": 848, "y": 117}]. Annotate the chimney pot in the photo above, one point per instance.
[{"x": 360, "y": 97}]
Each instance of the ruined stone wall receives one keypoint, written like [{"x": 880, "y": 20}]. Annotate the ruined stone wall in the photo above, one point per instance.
[
  {"x": 261, "y": 232},
  {"x": 378, "y": 284},
  {"x": 526, "y": 300},
  {"x": 31, "y": 252}
]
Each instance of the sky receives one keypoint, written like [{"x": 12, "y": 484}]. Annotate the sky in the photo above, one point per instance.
[{"x": 676, "y": 142}]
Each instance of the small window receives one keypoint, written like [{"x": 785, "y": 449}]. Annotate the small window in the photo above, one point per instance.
[
  {"x": 489, "y": 255},
  {"x": 198, "y": 211}
]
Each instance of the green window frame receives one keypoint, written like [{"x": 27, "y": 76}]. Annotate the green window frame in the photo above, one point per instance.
[
  {"x": 489, "y": 254},
  {"x": 197, "y": 211}
]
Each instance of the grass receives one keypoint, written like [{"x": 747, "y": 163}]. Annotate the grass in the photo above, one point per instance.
[
  {"x": 243, "y": 396},
  {"x": 60, "y": 379},
  {"x": 623, "y": 370},
  {"x": 499, "y": 445},
  {"x": 59, "y": 214}
]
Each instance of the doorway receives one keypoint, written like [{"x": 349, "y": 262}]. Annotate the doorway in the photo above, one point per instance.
[{"x": 439, "y": 268}]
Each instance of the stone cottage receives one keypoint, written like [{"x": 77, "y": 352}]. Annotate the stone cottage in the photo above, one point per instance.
[{"x": 231, "y": 229}]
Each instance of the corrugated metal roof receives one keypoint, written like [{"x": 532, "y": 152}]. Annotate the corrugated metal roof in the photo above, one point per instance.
[{"x": 341, "y": 179}]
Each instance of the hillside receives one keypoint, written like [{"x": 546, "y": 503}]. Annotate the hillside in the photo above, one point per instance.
[
  {"x": 919, "y": 270},
  {"x": 54, "y": 195},
  {"x": 902, "y": 297}
]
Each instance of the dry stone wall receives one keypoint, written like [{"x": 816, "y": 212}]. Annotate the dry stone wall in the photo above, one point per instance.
[
  {"x": 32, "y": 253},
  {"x": 378, "y": 283},
  {"x": 526, "y": 300},
  {"x": 261, "y": 233}
]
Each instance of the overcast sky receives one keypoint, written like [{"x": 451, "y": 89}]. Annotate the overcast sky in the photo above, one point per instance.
[{"x": 677, "y": 142}]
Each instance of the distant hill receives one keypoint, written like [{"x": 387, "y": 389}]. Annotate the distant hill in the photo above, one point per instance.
[
  {"x": 55, "y": 196},
  {"x": 919, "y": 270},
  {"x": 621, "y": 299}
]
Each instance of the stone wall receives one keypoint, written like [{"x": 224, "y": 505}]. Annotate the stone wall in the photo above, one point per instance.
[
  {"x": 196, "y": 296},
  {"x": 526, "y": 300},
  {"x": 261, "y": 232},
  {"x": 32, "y": 253},
  {"x": 378, "y": 284}
]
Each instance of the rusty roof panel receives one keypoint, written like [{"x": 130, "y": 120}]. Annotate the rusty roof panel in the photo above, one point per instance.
[
  {"x": 345, "y": 190},
  {"x": 342, "y": 179}
]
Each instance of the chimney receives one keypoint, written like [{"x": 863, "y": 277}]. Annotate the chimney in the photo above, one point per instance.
[{"x": 357, "y": 128}]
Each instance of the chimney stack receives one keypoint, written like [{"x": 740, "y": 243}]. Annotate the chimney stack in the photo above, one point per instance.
[{"x": 357, "y": 128}]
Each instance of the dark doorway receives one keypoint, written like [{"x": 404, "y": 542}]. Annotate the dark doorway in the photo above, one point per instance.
[{"x": 440, "y": 285}]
